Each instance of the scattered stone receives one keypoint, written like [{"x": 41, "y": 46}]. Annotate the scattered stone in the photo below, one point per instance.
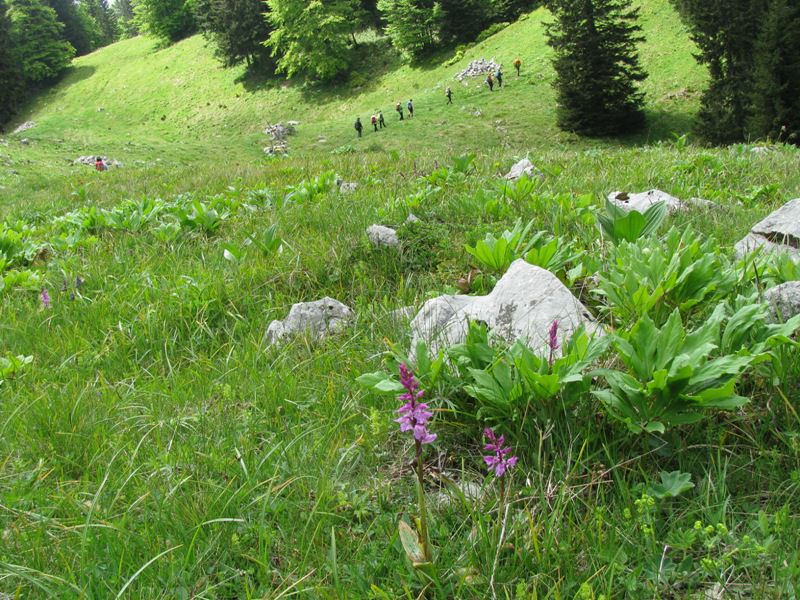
[
  {"x": 278, "y": 149},
  {"x": 477, "y": 113},
  {"x": 644, "y": 200},
  {"x": 293, "y": 124},
  {"x": 759, "y": 150},
  {"x": 25, "y": 127},
  {"x": 702, "y": 203},
  {"x": 25, "y": 141},
  {"x": 778, "y": 232},
  {"x": 90, "y": 160},
  {"x": 348, "y": 187},
  {"x": 522, "y": 306},
  {"x": 471, "y": 490},
  {"x": 281, "y": 131},
  {"x": 784, "y": 300},
  {"x": 101, "y": 109},
  {"x": 412, "y": 218},
  {"x": 477, "y": 68},
  {"x": 524, "y": 167},
  {"x": 318, "y": 318},
  {"x": 382, "y": 236}
]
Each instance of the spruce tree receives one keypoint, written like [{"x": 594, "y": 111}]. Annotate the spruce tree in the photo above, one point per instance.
[
  {"x": 511, "y": 10},
  {"x": 412, "y": 25},
  {"x": 168, "y": 20},
  {"x": 597, "y": 66},
  {"x": 312, "y": 38},
  {"x": 463, "y": 20},
  {"x": 238, "y": 28},
  {"x": 775, "y": 90},
  {"x": 105, "y": 19},
  {"x": 79, "y": 29},
  {"x": 725, "y": 33},
  {"x": 10, "y": 76},
  {"x": 37, "y": 35},
  {"x": 126, "y": 23}
]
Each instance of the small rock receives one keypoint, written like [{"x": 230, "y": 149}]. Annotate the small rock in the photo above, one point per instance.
[
  {"x": 702, "y": 203},
  {"x": 412, "y": 218},
  {"x": 380, "y": 235},
  {"x": 25, "y": 141},
  {"x": 281, "y": 131},
  {"x": 778, "y": 232},
  {"x": 642, "y": 201},
  {"x": 347, "y": 187},
  {"x": 101, "y": 109},
  {"x": 522, "y": 306},
  {"x": 524, "y": 167},
  {"x": 24, "y": 127},
  {"x": 318, "y": 318},
  {"x": 784, "y": 300}
]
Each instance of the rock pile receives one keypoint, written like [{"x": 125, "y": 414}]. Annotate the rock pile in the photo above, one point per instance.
[
  {"x": 477, "y": 68},
  {"x": 317, "y": 318},
  {"x": 778, "y": 232},
  {"x": 522, "y": 306},
  {"x": 90, "y": 160},
  {"x": 25, "y": 127},
  {"x": 281, "y": 131}
]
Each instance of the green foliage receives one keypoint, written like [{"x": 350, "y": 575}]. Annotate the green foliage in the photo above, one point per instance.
[
  {"x": 167, "y": 20},
  {"x": 497, "y": 253},
  {"x": 311, "y": 38},
  {"x": 597, "y": 66},
  {"x": 38, "y": 38},
  {"x": 238, "y": 29},
  {"x": 80, "y": 29},
  {"x": 412, "y": 25},
  {"x": 422, "y": 244},
  {"x": 125, "y": 18},
  {"x": 463, "y": 20},
  {"x": 619, "y": 225},
  {"x": 10, "y": 365},
  {"x": 672, "y": 485},
  {"x": 490, "y": 31},
  {"x": 10, "y": 73},
  {"x": 311, "y": 190},
  {"x": 555, "y": 254},
  {"x": 683, "y": 271}
]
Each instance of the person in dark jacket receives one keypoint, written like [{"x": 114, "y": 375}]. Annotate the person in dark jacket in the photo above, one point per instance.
[{"x": 358, "y": 126}]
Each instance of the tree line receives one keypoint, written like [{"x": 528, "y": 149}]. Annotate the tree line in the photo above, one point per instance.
[{"x": 750, "y": 47}]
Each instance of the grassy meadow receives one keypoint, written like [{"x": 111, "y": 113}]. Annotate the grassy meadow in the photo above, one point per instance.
[{"x": 152, "y": 445}]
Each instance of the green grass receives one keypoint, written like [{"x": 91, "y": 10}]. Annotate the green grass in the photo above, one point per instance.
[{"x": 156, "y": 448}]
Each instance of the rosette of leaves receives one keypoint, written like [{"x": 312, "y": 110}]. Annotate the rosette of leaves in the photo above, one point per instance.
[
  {"x": 674, "y": 376},
  {"x": 620, "y": 225},
  {"x": 495, "y": 254},
  {"x": 654, "y": 278}
]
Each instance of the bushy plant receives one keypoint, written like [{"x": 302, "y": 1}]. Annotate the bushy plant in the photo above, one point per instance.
[
  {"x": 619, "y": 225},
  {"x": 496, "y": 254}
]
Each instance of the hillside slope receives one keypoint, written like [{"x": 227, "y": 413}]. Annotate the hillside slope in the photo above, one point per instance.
[{"x": 134, "y": 101}]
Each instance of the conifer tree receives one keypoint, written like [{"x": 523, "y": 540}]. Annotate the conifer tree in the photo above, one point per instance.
[
  {"x": 237, "y": 27},
  {"x": 79, "y": 28},
  {"x": 10, "y": 76},
  {"x": 511, "y": 10},
  {"x": 463, "y": 20},
  {"x": 105, "y": 19},
  {"x": 597, "y": 66},
  {"x": 775, "y": 90},
  {"x": 126, "y": 23},
  {"x": 168, "y": 20},
  {"x": 312, "y": 37},
  {"x": 38, "y": 38}
]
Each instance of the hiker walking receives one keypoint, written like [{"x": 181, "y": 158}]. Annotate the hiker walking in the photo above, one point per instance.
[
  {"x": 449, "y": 94},
  {"x": 381, "y": 120},
  {"x": 410, "y": 107},
  {"x": 517, "y": 65},
  {"x": 490, "y": 82},
  {"x": 99, "y": 164},
  {"x": 374, "y": 121},
  {"x": 499, "y": 77},
  {"x": 358, "y": 126},
  {"x": 399, "y": 109}
]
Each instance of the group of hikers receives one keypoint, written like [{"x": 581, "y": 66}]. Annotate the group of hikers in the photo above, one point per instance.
[{"x": 378, "y": 121}]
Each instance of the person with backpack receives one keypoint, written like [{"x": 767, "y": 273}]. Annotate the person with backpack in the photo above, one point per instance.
[
  {"x": 449, "y": 95},
  {"x": 99, "y": 164},
  {"x": 490, "y": 82},
  {"x": 374, "y": 121},
  {"x": 381, "y": 120},
  {"x": 399, "y": 109},
  {"x": 410, "y": 107},
  {"x": 499, "y": 77},
  {"x": 517, "y": 65},
  {"x": 358, "y": 126}
]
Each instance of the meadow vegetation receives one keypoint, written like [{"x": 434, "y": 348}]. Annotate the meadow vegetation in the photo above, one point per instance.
[{"x": 153, "y": 446}]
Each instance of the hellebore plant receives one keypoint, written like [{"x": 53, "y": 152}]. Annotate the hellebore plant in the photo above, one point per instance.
[{"x": 414, "y": 417}]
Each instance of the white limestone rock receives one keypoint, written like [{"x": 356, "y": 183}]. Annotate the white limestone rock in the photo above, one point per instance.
[
  {"x": 317, "y": 318},
  {"x": 24, "y": 127},
  {"x": 784, "y": 300},
  {"x": 778, "y": 232},
  {"x": 380, "y": 236},
  {"x": 522, "y": 306},
  {"x": 524, "y": 167},
  {"x": 642, "y": 201}
]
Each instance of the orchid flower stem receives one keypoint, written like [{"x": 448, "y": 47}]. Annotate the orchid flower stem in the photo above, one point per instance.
[{"x": 423, "y": 513}]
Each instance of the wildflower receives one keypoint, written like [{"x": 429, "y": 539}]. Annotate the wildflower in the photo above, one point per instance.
[
  {"x": 552, "y": 342},
  {"x": 45, "y": 298},
  {"x": 498, "y": 462},
  {"x": 414, "y": 415}
]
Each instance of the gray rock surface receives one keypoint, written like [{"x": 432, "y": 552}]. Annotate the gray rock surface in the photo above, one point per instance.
[
  {"x": 405, "y": 313},
  {"x": 524, "y": 167},
  {"x": 90, "y": 160},
  {"x": 348, "y": 187},
  {"x": 317, "y": 318},
  {"x": 280, "y": 131},
  {"x": 778, "y": 232},
  {"x": 412, "y": 218},
  {"x": 25, "y": 127},
  {"x": 380, "y": 235},
  {"x": 478, "y": 67},
  {"x": 784, "y": 300},
  {"x": 643, "y": 200},
  {"x": 522, "y": 306},
  {"x": 25, "y": 141}
]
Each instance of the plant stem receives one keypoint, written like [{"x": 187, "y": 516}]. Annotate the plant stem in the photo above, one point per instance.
[{"x": 423, "y": 513}]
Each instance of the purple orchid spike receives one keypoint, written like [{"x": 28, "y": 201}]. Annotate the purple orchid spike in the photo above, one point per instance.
[
  {"x": 498, "y": 462},
  {"x": 553, "y": 341},
  {"x": 45, "y": 298},
  {"x": 414, "y": 415}
]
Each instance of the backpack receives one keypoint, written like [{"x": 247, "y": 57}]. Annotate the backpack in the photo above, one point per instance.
[{"x": 374, "y": 119}]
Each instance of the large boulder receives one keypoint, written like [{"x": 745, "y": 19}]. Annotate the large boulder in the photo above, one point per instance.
[
  {"x": 779, "y": 232},
  {"x": 317, "y": 318},
  {"x": 784, "y": 300},
  {"x": 522, "y": 306},
  {"x": 642, "y": 201}
]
